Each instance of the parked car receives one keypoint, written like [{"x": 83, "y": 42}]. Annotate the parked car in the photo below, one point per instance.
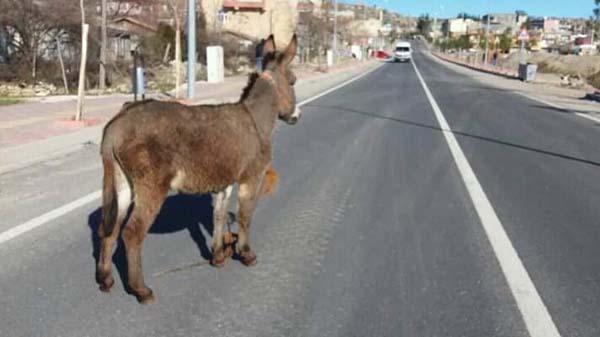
[{"x": 380, "y": 54}]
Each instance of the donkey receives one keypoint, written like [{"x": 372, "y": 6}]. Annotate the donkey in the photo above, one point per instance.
[{"x": 152, "y": 147}]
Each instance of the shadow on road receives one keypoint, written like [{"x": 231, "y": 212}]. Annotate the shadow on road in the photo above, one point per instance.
[
  {"x": 179, "y": 212},
  {"x": 561, "y": 110},
  {"x": 463, "y": 134}
]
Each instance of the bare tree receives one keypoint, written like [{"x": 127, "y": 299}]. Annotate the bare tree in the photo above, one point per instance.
[
  {"x": 32, "y": 28},
  {"x": 103, "y": 41},
  {"x": 81, "y": 91},
  {"x": 177, "y": 8}
]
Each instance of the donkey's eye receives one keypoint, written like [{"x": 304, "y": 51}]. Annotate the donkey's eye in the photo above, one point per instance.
[{"x": 292, "y": 80}]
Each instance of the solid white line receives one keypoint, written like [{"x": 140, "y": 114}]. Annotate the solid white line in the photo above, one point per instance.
[
  {"x": 49, "y": 216},
  {"x": 58, "y": 212},
  {"x": 554, "y": 105},
  {"x": 537, "y": 319}
]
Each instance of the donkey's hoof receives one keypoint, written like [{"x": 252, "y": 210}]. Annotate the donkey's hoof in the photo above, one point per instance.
[
  {"x": 105, "y": 282},
  {"x": 146, "y": 296},
  {"x": 218, "y": 260},
  {"x": 248, "y": 258},
  {"x": 106, "y": 285}
]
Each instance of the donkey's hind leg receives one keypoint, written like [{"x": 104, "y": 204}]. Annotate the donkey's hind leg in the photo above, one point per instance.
[
  {"x": 247, "y": 199},
  {"x": 220, "y": 217},
  {"x": 116, "y": 200},
  {"x": 147, "y": 205}
]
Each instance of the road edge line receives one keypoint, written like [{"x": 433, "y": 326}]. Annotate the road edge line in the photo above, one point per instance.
[
  {"x": 557, "y": 106},
  {"x": 48, "y": 216},
  {"x": 534, "y": 312},
  {"x": 39, "y": 221}
]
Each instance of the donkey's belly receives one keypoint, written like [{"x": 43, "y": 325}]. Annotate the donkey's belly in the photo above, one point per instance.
[{"x": 203, "y": 179}]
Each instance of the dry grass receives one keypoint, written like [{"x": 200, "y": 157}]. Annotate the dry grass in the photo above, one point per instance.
[{"x": 9, "y": 101}]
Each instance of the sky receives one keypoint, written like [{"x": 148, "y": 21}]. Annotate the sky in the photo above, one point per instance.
[{"x": 450, "y": 8}]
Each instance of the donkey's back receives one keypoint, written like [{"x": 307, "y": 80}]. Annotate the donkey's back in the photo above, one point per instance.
[{"x": 192, "y": 149}]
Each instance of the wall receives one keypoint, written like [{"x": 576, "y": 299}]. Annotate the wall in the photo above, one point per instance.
[{"x": 279, "y": 17}]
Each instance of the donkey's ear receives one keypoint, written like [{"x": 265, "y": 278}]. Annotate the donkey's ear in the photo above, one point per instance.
[
  {"x": 269, "y": 46},
  {"x": 290, "y": 51}
]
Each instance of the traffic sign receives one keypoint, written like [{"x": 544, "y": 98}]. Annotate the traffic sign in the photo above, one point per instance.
[{"x": 524, "y": 35}]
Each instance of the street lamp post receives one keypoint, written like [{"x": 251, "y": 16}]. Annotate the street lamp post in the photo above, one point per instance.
[{"x": 191, "y": 49}]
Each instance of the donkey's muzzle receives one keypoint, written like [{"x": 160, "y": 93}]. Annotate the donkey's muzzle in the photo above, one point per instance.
[
  {"x": 293, "y": 120},
  {"x": 295, "y": 117}
]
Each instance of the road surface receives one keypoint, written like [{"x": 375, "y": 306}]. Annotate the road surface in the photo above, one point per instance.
[{"x": 373, "y": 231}]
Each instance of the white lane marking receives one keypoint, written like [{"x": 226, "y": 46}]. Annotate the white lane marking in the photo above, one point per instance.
[
  {"x": 49, "y": 216},
  {"x": 308, "y": 100},
  {"x": 58, "y": 212},
  {"x": 537, "y": 319},
  {"x": 554, "y": 105}
]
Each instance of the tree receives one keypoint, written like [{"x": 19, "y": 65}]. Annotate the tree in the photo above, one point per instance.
[
  {"x": 31, "y": 28},
  {"x": 596, "y": 19},
  {"x": 103, "y": 41},
  {"x": 177, "y": 10},
  {"x": 506, "y": 41},
  {"x": 465, "y": 15}
]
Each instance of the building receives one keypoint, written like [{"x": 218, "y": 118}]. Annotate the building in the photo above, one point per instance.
[
  {"x": 459, "y": 27},
  {"x": 546, "y": 25},
  {"x": 501, "y": 22},
  {"x": 254, "y": 19}
]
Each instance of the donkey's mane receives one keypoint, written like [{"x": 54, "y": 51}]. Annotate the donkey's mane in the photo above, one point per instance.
[{"x": 254, "y": 76}]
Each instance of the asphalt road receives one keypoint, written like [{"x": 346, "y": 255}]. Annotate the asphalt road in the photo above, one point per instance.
[{"x": 372, "y": 232}]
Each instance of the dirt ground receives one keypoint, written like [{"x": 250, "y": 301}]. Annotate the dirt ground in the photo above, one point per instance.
[{"x": 552, "y": 66}]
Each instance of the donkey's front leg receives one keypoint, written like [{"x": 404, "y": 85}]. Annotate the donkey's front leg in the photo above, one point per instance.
[
  {"x": 220, "y": 217},
  {"x": 247, "y": 198}
]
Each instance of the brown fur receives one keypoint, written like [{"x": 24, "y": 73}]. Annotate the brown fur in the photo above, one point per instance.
[
  {"x": 270, "y": 182},
  {"x": 152, "y": 147}
]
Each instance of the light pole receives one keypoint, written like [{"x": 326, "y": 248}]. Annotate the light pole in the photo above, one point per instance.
[
  {"x": 334, "y": 44},
  {"x": 191, "y": 49}
]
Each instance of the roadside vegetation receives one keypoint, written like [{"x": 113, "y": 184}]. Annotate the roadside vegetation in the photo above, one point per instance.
[{"x": 8, "y": 100}]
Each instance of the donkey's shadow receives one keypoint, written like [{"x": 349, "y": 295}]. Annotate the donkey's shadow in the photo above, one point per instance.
[{"x": 179, "y": 212}]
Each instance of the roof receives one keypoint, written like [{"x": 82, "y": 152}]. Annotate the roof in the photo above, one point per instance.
[
  {"x": 136, "y": 22},
  {"x": 244, "y": 4}
]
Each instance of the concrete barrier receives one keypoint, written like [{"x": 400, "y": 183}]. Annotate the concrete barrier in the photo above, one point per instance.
[{"x": 215, "y": 64}]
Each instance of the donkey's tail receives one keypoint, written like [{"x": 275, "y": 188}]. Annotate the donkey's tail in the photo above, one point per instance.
[
  {"x": 109, "y": 199},
  {"x": 116, "y": 194}
]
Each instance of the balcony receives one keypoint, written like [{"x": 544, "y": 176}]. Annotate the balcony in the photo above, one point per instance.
[{"x": 244, "y": 5}]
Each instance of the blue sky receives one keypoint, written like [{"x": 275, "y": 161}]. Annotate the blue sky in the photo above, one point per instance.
[{"x": 569, "y": 8}]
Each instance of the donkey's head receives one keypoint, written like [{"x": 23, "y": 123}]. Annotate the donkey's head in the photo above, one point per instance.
[{"x": 277, "y": 70}]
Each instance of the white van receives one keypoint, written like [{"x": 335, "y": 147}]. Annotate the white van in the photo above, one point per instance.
[{"x": 403, "y": 52}]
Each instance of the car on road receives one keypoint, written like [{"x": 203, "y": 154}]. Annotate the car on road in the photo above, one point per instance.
[{"x": 403, "y": 52}]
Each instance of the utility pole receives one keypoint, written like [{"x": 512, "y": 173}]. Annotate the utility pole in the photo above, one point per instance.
[
  {"x": 103, "y": 38},
  {"x": 191, "y": 48},
  {"x": 334, "y": 47}
]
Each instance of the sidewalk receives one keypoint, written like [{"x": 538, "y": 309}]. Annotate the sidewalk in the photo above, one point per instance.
[
  {"x": 34, "y": 131},
  {"x": 562, "y": 99}
]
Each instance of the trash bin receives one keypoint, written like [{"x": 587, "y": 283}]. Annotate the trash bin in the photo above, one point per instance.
[{"x": 527, "y": 71}]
